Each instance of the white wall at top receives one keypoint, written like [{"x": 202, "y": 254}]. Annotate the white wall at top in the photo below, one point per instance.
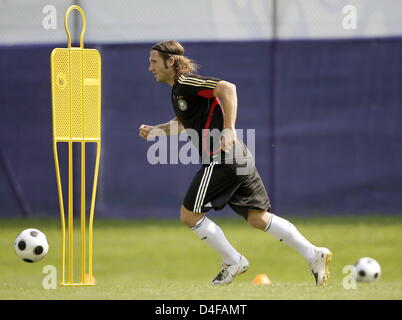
[
  {"x": 21, "y": 21},
  {"x": 128, "y": 20},
  {"x": 198, "y": 20},
  {"x": 323, "y": 18},
  {"x": 139, "y": 20}
]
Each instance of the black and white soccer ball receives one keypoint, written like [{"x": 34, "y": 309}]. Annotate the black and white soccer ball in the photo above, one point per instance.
[
  {"x": 31, "y": 245},
  {"x": 367, "y": 270}
]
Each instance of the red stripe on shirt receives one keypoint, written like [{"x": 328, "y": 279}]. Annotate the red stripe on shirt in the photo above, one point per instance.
[
  {"x": 215, "y": 103},
  {"x": 206, "y": 93}
]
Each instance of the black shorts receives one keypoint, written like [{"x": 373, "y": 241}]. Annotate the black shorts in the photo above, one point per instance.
[{"x": 216, "y": 185}]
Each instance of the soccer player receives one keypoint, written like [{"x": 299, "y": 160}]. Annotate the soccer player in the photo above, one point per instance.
[{"x": 203, "y": 105}]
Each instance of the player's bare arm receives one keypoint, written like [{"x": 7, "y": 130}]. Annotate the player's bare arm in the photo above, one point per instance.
[
  {"x": 226, "y": 92},
  {"x": 171, "y": 127}
]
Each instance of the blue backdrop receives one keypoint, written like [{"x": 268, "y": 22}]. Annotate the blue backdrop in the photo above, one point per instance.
[{"x": 327, "y": 116}]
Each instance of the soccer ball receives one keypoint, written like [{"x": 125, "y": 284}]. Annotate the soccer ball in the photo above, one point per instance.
[
  {"x": 367, "y": 270},
  {"x": 31, "y": 245}
]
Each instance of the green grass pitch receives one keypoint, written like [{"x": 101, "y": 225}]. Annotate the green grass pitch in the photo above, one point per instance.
[{"x": 162, "y": 259}]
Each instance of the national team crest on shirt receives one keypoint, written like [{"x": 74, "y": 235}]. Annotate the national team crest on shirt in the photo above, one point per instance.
[{"x": 182, "y": 104}]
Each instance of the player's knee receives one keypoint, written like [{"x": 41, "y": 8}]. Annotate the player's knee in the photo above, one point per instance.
[
  {"x": 188, "y": 217},
  {"x": 257, "y": 223},
  {"x": 258, "y": 220}
]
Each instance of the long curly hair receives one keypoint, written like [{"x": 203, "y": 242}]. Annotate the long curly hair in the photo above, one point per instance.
[{"x": 182, "y": 64}]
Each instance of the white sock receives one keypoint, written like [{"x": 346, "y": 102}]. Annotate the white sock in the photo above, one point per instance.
[
  {"x": 285, "y": 231},
  {"x": 210, "y": 232}
]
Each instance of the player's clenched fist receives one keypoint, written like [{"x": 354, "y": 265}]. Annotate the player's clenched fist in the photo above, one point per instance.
[
  {"x": 145, "y": 130},
  {"x": 229, "y": 138}
]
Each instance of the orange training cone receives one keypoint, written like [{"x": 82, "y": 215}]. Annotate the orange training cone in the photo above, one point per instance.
[
  {"x": 261, "y": 279},
  {"x": 88, "y": 279}
]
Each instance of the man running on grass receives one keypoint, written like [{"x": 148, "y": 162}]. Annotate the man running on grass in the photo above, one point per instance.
[{"x": 205, "y": 105}]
